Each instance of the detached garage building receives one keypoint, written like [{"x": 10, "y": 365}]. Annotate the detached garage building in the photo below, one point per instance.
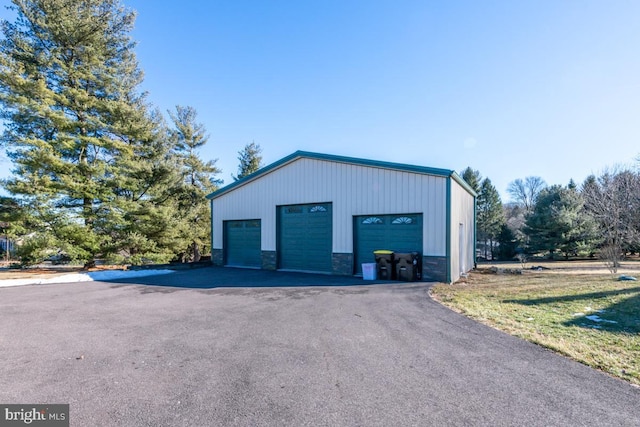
[{"x": 323, "y": 213}]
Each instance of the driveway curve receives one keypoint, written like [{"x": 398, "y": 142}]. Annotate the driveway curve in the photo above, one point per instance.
[{"x": 197, "y": 354}]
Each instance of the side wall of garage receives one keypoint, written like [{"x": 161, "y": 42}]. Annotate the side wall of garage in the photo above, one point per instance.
[
  {"x": 353, "y": 190},
  {"x": 462, "y": 240}
]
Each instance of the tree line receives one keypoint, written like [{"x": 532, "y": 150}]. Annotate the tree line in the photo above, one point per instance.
[
  {"x": 98, "y": 172},
  {"x": 600, "y": 216}
]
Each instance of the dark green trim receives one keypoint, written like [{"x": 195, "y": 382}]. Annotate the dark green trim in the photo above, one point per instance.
[
  {"x": 448, "y": 230},
  {"x": 342, "y": 159},
  {"x": 211, "y": 219},
  {"x": 278, "y": 238},
  {"x": 354, "y": 237}
]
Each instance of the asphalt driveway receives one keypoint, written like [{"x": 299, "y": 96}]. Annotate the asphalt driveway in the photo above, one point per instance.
[{"x": 194, "y": 352}]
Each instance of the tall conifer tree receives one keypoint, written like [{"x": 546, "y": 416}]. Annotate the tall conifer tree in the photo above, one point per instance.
[
  {"x": 250, "y": 159},
  {"x": 473, "y": 178},
  {"x": 490, "y": 215},
  {"x": 73, "y": 116},
  {"x": 196, "y": 180}
]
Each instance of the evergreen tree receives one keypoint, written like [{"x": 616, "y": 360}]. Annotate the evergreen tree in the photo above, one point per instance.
[
  {"x": 250, "y": 160},
  {"x": 490, "y": 215},
  {"x": 559, "y": 222},
  {"x": 507, "y": 243},
  {"x": 473, "y": 178},
  {"x": 143, "y": 222},
  {"x": 197, "y": 179},
  {"x": 74, "y": 121}
]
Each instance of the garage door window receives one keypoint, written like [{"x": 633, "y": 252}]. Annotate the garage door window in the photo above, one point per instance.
[
  {"x": 293, "y": 210},
  {"x": 372, "y": 220},
  {"x": 402, "y": 220}
]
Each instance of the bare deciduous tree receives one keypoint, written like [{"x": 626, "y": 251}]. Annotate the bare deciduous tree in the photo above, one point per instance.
[
  {"x": 611, "y": 257},
  {"x": 613, "y": 199},
  {"x": 526, "y": 192},
  {"x": 515, "y": 218}
]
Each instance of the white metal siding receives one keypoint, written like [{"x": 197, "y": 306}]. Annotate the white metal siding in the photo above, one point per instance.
[
  {"x": 462, "y": 212},
  {"x": 353, "y": 190}
]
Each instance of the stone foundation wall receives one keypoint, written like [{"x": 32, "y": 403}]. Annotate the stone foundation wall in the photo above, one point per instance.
[
  {"x": 342, "y": 264},
  {"x": 269, "y": 260},
  {"x": 217, "y": 257},
  {"x": 434, "y": 268}
]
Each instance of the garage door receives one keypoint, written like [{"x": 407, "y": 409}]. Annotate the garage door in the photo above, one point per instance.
[
  {"x": 304, "y": 237},
  {"x": 400, "y": 233},
  {"x": 242, "y": 243}
]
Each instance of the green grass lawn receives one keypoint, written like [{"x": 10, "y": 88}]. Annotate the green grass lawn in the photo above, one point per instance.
[{"x": 592, "y": 318}]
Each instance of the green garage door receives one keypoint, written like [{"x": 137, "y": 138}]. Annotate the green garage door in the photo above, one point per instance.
[
  {"x": 399, "y": 233},
  {"x": 242, "y": 243},
  {"x": 304, "y": 237}
]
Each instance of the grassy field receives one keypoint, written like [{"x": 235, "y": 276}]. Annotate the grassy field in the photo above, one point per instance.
[{"x": 577, "y": 309}]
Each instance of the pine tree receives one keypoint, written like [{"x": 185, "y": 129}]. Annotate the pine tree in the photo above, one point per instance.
[
  {"x": 559, "y": 222},
  {"x": 250, "y": 160},
  {"x": 507, "y": 243},
  {"x": 73, "y": 116},
  {"x": 473, "y": 178},
  {"x": 197, "y": 179},
  {"x": 490, "y": 215},
  {"x": 143, "y": 222}
]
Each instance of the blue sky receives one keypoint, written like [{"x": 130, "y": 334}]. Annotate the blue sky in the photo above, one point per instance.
[{"x": 511, "y": 88}]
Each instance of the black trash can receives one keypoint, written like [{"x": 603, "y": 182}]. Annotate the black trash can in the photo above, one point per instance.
[
  {"x": 408, "y": 266},
  {"x": 384, "y": 264}
]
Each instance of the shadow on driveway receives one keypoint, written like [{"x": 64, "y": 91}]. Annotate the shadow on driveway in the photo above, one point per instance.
[{"x": 227, "y": 277}]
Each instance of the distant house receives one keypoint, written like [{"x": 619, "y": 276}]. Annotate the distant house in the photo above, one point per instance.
[{"x": 324, "y": 213}]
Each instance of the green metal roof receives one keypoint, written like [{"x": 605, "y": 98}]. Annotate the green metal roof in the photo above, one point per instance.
[{"x": 342, "y": 159}]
